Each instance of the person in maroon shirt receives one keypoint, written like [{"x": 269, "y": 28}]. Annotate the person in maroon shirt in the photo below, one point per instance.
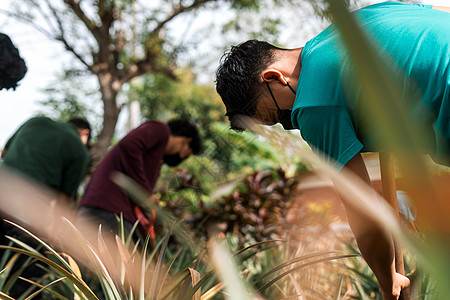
[{"x": 139, "y": 155}]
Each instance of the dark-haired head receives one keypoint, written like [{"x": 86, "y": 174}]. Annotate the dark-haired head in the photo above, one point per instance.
[
  {"x": 12, "y": 66},
  {"x": 83, "y": 127},
  {"x": 185, "y": 128},
  {"x": 238, "y": 78}
]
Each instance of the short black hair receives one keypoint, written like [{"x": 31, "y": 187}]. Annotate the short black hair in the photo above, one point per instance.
[
  {"x": 181, "y": 127},
  {"x": 238, "y": 77},
  {"x": 81, "y": 123},
  {"x": 12, "y": 66}
]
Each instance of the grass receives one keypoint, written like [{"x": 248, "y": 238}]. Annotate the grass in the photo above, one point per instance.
[{"x": 158, "y": 277}]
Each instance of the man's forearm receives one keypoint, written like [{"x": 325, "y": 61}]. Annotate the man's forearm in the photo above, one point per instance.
[
  {"x": 376, "y": 247},
  {"x": 375, "y": 244}
]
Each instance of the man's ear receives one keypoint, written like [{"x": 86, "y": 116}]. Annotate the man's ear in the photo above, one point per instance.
[
  {"x": 270, "y": 75},
  {"x": 84, "y": 135},
  {"x": 84, "y": 131}
]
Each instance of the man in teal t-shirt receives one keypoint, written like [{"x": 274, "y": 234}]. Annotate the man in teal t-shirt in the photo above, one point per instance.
[
  {"x": 313, "y": 89},
  {"x": 328, "y": 109}
]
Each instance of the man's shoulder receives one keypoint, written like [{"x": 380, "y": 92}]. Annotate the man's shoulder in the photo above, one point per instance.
[
  {"x": 146, "y": 135},
  {"x": 37, "y": 127},
  {"x": 320, "y": 76},
  {"x": 322, "y": 52},
  {"x": 155, "y": 123},
  {"x": 390, "y": 6},
  {"x": 40, "y": 121},
  {"x": 155, "y": 126}
]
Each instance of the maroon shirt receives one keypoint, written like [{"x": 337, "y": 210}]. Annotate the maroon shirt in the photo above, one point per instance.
[{"x": 139, "y": 156}]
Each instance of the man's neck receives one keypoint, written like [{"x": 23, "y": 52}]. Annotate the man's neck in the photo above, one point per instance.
[{"x": 292, "y": 62}]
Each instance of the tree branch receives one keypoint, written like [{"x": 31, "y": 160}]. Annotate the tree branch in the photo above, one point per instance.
[
  {"x": 71, "y": 49},
  {"x": 62, "y": 36},
  {"x": 47, "y": 19},
  {"x": 178, "y": 10},
  {"x": 101, "y": 34},
  {"x": 107, "y": 16},
  {"x": 148, "y": 63},
  {"x": 141, "y": 67},
  {"x": 29, "y": 21},
  {"x": 90, "y": 25}
]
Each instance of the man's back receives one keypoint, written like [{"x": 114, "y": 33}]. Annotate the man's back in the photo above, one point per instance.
[
  {"x": 329, "y": 109},
  {"x": 48, "y": 152},
  {"x": 139, "y": 156}
]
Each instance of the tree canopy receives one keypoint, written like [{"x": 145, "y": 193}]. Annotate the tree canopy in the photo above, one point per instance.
[{"x": 115, "y": 41}]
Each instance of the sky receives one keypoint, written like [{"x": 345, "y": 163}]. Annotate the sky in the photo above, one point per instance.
[{"x": 43, "y": 58}]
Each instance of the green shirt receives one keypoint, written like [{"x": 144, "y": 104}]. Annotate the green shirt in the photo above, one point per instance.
[
  {"x": 416, "y": 38},
  {"x": 48, "y": 152}
]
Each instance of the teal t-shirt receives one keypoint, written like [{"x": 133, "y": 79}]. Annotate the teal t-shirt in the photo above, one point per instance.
[
  {"x": 48, "y": 152},
  {"x": 416, "y": 38}
]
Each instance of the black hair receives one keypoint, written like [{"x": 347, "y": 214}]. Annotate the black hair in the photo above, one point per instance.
[
  {"x": 238, "y": 77},
  {"x": 12, "y": 66},
  {"x": 81, "y": 123},
  {"x": 180, "y": 127}
]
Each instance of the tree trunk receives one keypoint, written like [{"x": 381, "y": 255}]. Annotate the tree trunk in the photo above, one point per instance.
[{"x": 109, "y": 88}]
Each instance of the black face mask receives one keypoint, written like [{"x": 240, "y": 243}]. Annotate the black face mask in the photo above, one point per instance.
[
  {"x": 284, "y": 115},
  {"x": 173, "y": 159}
]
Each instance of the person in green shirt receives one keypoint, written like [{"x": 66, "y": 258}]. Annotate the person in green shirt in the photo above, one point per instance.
[
  {"x": 313, "y": 89},
  {"x": 50, "y": 153},
  {"x": 53, "y": 155}
]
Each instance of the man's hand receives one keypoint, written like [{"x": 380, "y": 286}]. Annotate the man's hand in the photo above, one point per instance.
[{"x": 400, "y": 282}]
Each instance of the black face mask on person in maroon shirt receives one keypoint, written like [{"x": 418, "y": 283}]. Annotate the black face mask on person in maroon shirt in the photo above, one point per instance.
[{"x": 173, "y": 159}]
